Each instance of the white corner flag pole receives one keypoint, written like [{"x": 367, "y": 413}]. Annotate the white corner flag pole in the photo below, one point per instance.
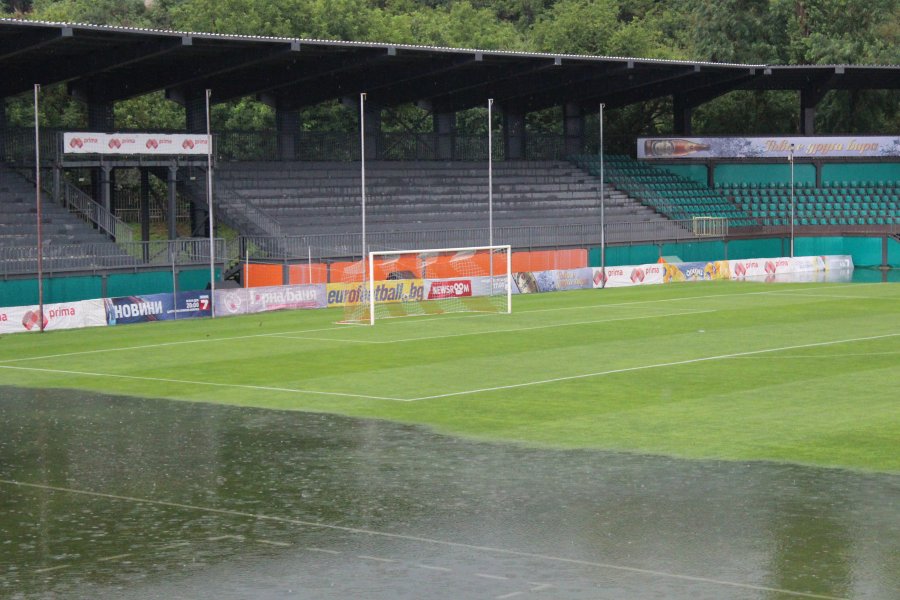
[
  {"x": 209, "y": 203},
  {"x": 37, "y": 193}
]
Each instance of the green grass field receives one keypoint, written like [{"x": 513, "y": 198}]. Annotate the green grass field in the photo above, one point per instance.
[{"x": 806, "y": 373}]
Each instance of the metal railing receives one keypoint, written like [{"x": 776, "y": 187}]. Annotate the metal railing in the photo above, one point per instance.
[
  {"x": 84, "y": 206},
  {"x": 238, "y": 211},
  {"x": 58, "y": 258},
  {"x": 298, "y": 247}
]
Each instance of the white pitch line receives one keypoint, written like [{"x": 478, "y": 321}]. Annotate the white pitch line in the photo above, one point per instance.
[
  {"x": 799, "y": 294},
  {"x": 539, "y": 586},
  {"x": 49, "y": 569},
  {"x": 288, "y": 336},
  {"x": 516, "y": 329},
  {"x": 375, "y": 558},
  {"x": 419, "y": 539},
  {"x": 433, "y": 568},
  {"x": 408, "y": 322},
  {"x": 206, "y": 383},
  {"x": 700, "y": 297},
  {"x": 322, "y": 550},
  {"x": 175, "y": 545},
  {"x": 489, "y": 576},
  {"x": 653, "y": 366},
  {"x": 509, "y": 595},
  {"x": 274, "y": 543},
  {"x": 818, "y": 356},
  {"x": 219, "y": 538},
  {"x": 116, "y": 557}
]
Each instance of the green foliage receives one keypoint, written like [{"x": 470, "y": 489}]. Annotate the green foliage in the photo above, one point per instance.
[
  {"x": 577, "y": 27},
  {"x": 56, "y": 109},
  {"x": 744, "y": 31},
  {"x": 131, "y": 13},
  {"x": 750, "y": 112},
  {"x": 151, "y": 112},
  {"x": 844, "y": 31},
  {"x": 735, "y": 31},
  {"x": 245, "y": 114}
]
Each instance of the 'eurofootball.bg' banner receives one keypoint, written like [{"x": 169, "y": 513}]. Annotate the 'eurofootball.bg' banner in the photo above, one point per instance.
[{"x": 157, "y": 307}]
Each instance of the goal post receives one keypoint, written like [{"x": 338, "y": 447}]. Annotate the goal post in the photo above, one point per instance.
[
  {"x": 402, "y": 283},
  {"x": 710, "y": 226}
]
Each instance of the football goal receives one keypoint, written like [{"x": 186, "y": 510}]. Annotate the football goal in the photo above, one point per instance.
[{"x": 403, "y": 283}]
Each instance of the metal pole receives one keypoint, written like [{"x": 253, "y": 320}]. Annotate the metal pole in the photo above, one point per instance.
[
  {"x": 490, "y": 173},
  {"x": 37, "y": 194},
  {"x": 209, "y": 200},
  {"x": 491, "y": 190},
  {"x": 309, "y": 264},
  {"x": 362, "y": 174},
  {"x": 791, "y": 160},
  {"x": 602, "y": 207},
  {"x": 174, "y": 278}
]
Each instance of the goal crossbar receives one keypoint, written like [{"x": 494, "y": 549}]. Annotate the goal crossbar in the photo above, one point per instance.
[{"x": 493, "y": 279}]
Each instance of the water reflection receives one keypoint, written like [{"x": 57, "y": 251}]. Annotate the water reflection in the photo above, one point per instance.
[{"x": 196, "y": 501}]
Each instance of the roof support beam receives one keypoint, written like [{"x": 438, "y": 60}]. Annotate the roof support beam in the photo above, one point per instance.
[
  {"x": 284, "y": 80},
  {"x": 190, "y": 73},
  {"x": 32, "y": 40}
]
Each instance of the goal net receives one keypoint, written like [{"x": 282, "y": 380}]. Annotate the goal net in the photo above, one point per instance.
[{"x": 402, "y": 283}]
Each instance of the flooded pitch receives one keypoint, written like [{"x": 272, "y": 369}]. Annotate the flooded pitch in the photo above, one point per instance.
[{"x": 106, "y": 497}]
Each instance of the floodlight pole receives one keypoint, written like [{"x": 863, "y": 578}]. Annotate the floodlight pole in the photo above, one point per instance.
[
  {"x": 602, "y": 207},
  {"x": 209, "y": 203},
  {"x": 491, "y": 189},
  {"x": 37, "y": 194},
  {"x": 490, "y": 173},
  {"x": 362, "y": 173},
  {"x": 791, "y": 161}
]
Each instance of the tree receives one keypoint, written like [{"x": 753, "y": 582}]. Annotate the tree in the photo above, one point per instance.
[
  {"x": 735, "y": 31},
  {"x": 130, "y": 13}
]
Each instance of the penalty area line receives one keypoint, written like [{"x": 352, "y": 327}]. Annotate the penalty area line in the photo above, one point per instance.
[
  {"x": 419, "y": 539},
  {"x": 262, "y": 388},
  {"x": 653, "y": 366}
]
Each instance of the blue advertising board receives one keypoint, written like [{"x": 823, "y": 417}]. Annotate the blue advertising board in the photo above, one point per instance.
[{"x": 157, "y": 307}]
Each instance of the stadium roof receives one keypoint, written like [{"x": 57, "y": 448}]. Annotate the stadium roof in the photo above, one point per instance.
[{"x": 106, "y": 64}]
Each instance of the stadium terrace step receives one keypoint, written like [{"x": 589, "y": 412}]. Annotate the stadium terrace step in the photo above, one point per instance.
[
  {"x": 325, "y": 197},
  {"x": 69, "y": 242}
]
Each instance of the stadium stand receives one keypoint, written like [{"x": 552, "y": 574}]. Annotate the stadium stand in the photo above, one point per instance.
[
  {"x": 836, "y": 203},
  {"x": 69, "y": 242},
  {"x": 670, "y": 195},
  {"x": 324, "y": 197}
]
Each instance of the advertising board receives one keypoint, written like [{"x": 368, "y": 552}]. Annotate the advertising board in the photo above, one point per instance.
[
  {"x": 67, "y": 315},
  {"x": 400, "y": 290},
  {"x": 245, "y": 301},
  {"x": 157, "y": 307},
  {"x": 134, "y": 143},
  {"x": 668, "y": 148}
]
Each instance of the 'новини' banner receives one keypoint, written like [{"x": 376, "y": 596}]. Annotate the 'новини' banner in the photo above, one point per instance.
[{"x": 157, "y": 307}]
